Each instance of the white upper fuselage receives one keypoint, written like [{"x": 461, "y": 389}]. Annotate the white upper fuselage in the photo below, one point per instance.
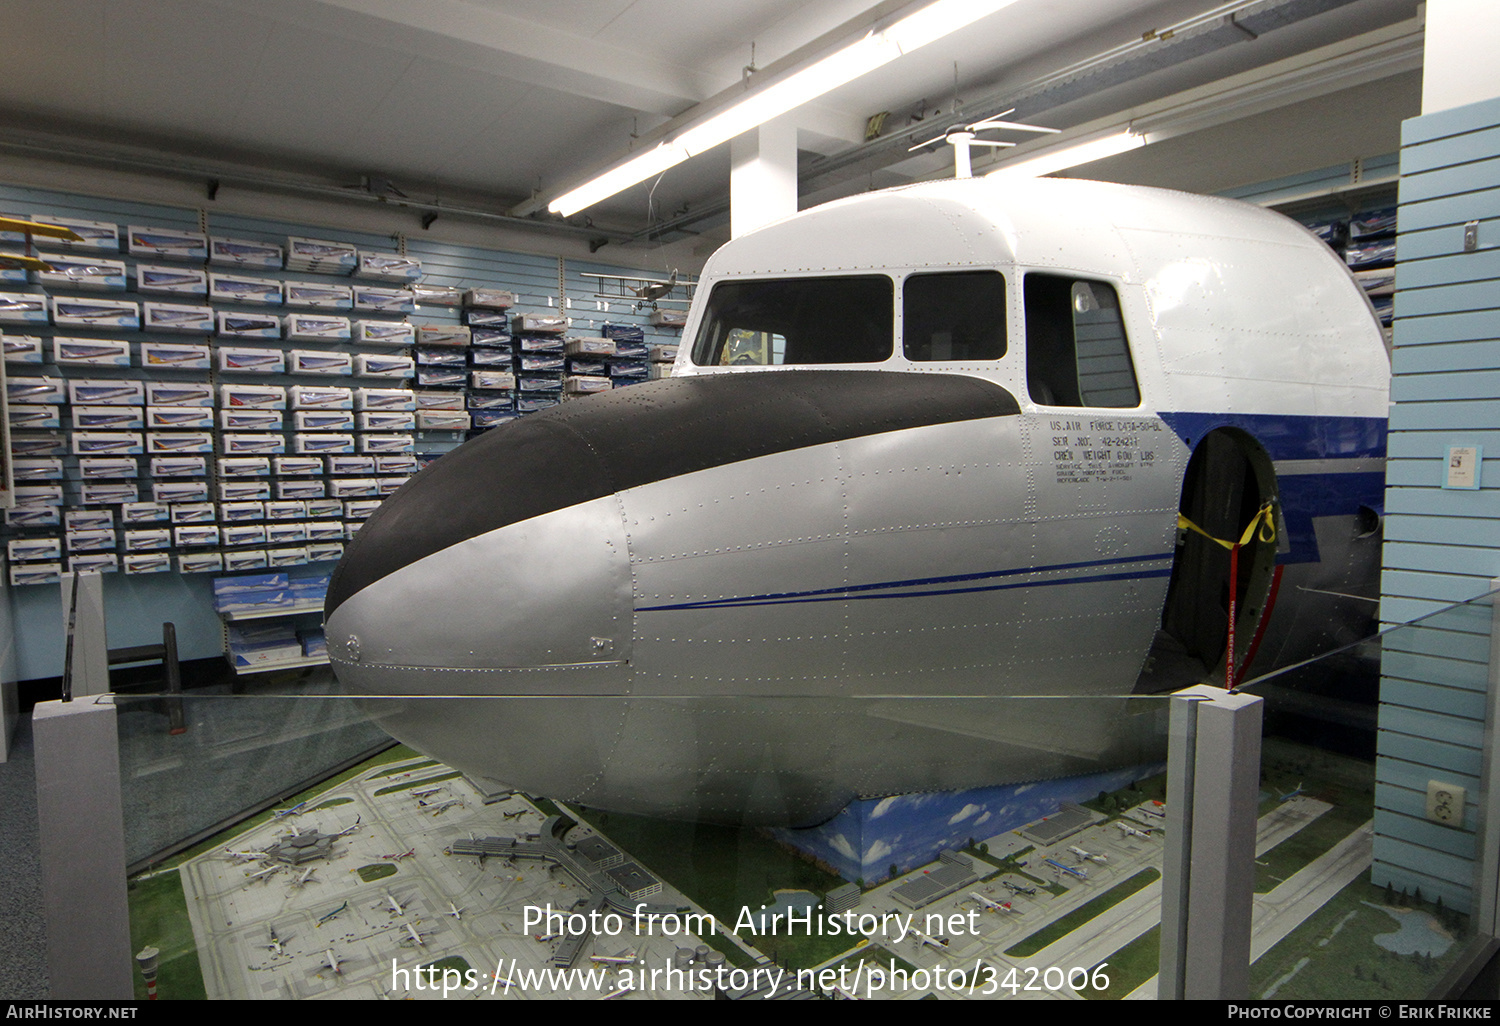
[{"x": 1229, "y": 307}]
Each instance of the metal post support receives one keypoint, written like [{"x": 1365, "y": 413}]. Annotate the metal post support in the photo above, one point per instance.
[
  {"x": 82, "y": 833},
  {"x": 90, "y": 640},
  {"x": 1208, "y": 868},
  {"x": 9, "y": 714},
  {"x": 173, "y": 678},
  {"x": 1176, "y": 858}
]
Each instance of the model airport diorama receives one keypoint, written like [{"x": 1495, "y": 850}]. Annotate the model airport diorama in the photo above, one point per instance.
[
  {"x": 816, "y": 570},
  {"x": 402, "y": 869}
]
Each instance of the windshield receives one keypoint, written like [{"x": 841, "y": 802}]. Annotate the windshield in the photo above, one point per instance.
[{"x": 797, "y": 321}]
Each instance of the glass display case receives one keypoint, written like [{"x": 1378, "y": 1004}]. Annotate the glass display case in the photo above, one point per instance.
[{"x": 284, "y": 847}]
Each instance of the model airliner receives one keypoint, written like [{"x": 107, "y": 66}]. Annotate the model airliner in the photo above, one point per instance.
[{"x": 904, "y": 518}]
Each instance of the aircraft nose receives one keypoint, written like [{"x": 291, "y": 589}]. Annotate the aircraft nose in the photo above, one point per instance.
[
  {"x": 505, "y": 557},
  {"x": 508, "y": 476},
  {"x": 509, "y": 554},
  {"x": 479, "y": 617},
  {"x": 501, "y": 575}
]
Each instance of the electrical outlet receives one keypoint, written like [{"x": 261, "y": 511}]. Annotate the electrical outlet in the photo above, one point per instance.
[{"x": 1445, "y": 803}]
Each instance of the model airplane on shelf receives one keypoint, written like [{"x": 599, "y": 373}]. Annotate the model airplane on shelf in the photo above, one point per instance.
[
  {"x": 936, "y": 943},
  {"x": 629, "y": 958},
  {"x": 246, "y": 856},
  {"x": 905, "y": 518},
  {"x": 1078, "y": 871}
]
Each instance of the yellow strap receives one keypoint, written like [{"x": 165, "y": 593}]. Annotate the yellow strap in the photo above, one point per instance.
[{"x": 1264, "y": 520}]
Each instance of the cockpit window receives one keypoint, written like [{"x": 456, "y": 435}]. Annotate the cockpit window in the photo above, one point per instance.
[
  {"x": 1076, "y": 351},
  {"x": 958, "y": 316},
  {"x": 797, "y": 320}
]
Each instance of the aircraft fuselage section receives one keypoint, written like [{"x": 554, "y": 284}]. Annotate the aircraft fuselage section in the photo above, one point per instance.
[
  {"x": 904, "y": 518},
  {"x": 800, "y": 609}
]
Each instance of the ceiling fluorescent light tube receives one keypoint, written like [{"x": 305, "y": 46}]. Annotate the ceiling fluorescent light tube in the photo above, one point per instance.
[
  {"x": 939, "y": 19},
  {"x": 791, "y": 92},
  {"x": 874, "y": 50},
  {"x": 653, "y": 162},
  {"x": 1070, "y": 156}
]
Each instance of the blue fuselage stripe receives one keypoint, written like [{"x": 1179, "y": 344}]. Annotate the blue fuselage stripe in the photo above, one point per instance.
[
  {"x": 1295, "y": 437},
  {"x": 904, "y": 589}
]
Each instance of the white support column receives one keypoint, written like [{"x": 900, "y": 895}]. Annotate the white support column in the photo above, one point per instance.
[
  {"x": 1208, "y": 865},
  {"x": 82, "y": 834},
  {"x": 763, "y": 175},
  {"x": 1459, "y": 48}
]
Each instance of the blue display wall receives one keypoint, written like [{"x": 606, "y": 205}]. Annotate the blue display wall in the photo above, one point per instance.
[
  {"x": 137, "y": 604},
  {"x": 1441, "y": 542}
]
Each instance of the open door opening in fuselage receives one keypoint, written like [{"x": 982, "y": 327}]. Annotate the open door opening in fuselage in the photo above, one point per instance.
[{"x": 1228, "y": 480}]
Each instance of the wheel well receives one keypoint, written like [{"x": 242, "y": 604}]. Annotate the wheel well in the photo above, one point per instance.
[{"x": 1228, "y": 479}]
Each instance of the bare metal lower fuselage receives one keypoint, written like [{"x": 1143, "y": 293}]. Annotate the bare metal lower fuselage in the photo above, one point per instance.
[{"x": 765, "y": 640}]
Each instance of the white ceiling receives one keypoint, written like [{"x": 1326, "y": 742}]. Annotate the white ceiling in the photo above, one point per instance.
[{"x": 492, "y": 99}]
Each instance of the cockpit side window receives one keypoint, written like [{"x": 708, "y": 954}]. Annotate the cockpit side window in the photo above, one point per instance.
[
  {"x": 955, "y": 316},
  {"x": 797, "y": 321},
  {"x": 1076, "y": 350}
]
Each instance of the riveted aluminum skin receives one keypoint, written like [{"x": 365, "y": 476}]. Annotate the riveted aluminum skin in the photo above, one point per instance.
[
  {"x": 760, "y": 701},
  {"x": 577, "y": 612}
]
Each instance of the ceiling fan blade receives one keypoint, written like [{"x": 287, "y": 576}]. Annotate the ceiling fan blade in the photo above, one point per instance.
[
  {"x": 1014, "y": 126},
  {"x": 990, "y": 142},
  {"x": 929, "y": 142}
]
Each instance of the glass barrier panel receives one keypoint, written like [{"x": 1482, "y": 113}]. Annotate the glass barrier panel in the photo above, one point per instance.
[
  {"x": 242, "y": 751},
  {"x": 1365, "y": 890},
  {"x": 401, "y": 864},
  {"x": 329, "y": 861}
]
